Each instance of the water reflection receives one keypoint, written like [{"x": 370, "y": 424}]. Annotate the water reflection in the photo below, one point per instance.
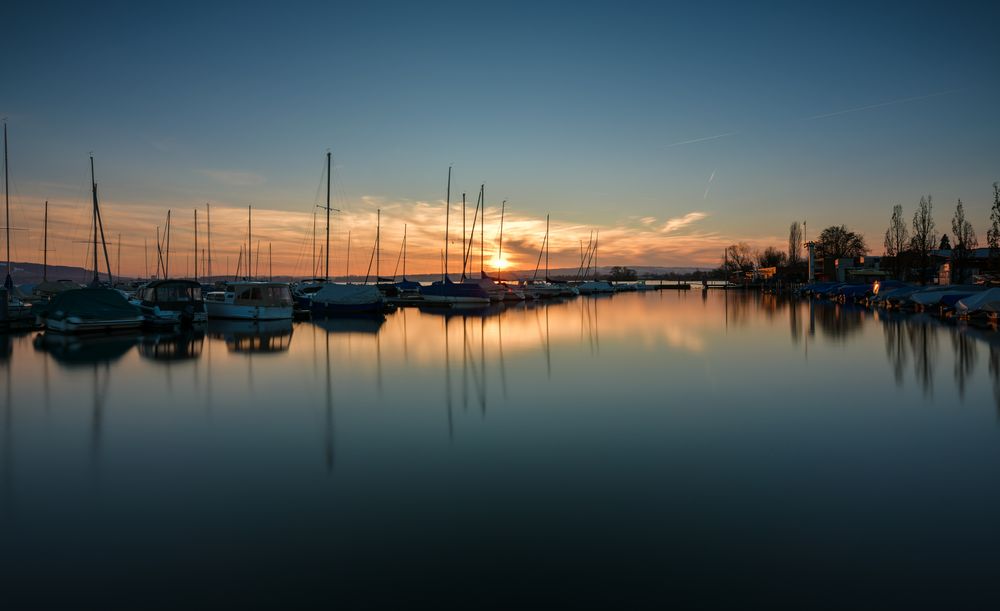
[
  {"x": 323, "y": 439},
  {"x": 179, "y": 346},
  {"x": 247, "y": 336},
  {"x": 83, "y": 350}
]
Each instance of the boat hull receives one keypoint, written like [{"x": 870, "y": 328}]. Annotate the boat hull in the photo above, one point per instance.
[
  {"x": 248, "y": 312},
  {"x": 72, "y": 324}
]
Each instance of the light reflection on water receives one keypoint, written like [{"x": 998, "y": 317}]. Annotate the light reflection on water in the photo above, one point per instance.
[{"x": 605, "y": 448}]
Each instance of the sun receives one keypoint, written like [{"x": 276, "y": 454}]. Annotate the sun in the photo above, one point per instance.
[{"x": 500, "y": 263}]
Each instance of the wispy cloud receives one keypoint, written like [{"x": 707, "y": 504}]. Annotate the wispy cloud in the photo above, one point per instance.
[
  {"x": 234, "y": 178},
  {"x": 678, "y": 223},
  {"x": 879, "y": 105},
  {"x": 705, "y": 139}
]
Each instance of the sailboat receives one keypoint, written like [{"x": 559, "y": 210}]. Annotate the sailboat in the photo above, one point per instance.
[
  {"x": 546, "y": 289},
  {"x": 496, "y": 290},
  {"x": 96, "y": 308},
  {"x": 174, "y": 300},
  {"x": 15, "y": 311},
  {"x": 407, "y": 290},
  {"x": 445, "y": 291},
  {"x": 595, "y": 286},
  {"x": 333, "y": 298}
]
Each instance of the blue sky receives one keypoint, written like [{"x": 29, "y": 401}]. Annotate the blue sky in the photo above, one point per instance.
[{"x": 586, "y": 111}]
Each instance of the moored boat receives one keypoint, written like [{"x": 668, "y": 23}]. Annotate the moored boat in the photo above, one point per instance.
[
  {"x": 89, "y": 310},
  {"x": 251, "y": 301},
  {"x": 177, "y": 300}
]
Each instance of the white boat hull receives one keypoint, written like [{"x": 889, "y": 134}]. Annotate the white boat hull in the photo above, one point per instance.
[
  {"x": 73, "y": 324},
  {"x": 247, "y": 312}
]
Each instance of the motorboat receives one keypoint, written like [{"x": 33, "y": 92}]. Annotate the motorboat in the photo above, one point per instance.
[
  {"x": 176, "y": 300},
  {"x": 595, "y": 287},
  {"x": 251, "y": 301},
  {"x": 449, "y": 292}
]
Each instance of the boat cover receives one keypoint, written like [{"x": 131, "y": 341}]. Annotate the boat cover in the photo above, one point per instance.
[
  {"x": 985, "y": 301},
  {"x": 347, "y": 294},
  {"x": 90, "y": 304}
]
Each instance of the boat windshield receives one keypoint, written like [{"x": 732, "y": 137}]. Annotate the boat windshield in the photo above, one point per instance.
[
  {"x": 264, "y": 294},
  {"x": 171, "y": 293}
]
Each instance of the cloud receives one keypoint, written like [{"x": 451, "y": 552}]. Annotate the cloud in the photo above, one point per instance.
[
  {"x": 681, "y": 222},
  {"x": 234, "y": 178}
]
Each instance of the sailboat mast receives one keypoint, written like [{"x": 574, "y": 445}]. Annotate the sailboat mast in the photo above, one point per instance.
[
  {"x": 145, "y": 255},
  {"x": 45, "y": 244},
  {"x": 503, "y": 207},
  {"x": 312, "y": 261},
  {"x": 6, "y": 198},
  {"x": 447, "y": 215},
  {"x": 465, "y": 251},
  {"x": 249, "y": 239},
  {"x": 404, "y": 252},
  {"x": 93, "y": 188},
  {"x": 546, "y": 247},
  {"x": 270, "y": 264},
  {"x": 195, "y": 245},
  {"x": 208, "y": 220},
  {"x": 166, "y": 263},
  {"x": 378, "y": 243},
  {"x": 326, "y": 273},
  {"x": 482, "y": 233},
  {"x": 118, "y": 263},
  {"x": 348, "y": 256}
]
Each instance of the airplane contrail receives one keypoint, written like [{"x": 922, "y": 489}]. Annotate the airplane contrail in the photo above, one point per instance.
[
  {"x": 716, "y": 137},
  {"x": 880, "y": 105},
  {"x": 709, "y": 185}
]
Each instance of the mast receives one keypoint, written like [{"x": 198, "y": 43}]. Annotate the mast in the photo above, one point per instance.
[
  {"x": 8, "y": 281},
  {"x": 348, "y": 256},
  {"x": 159, "y": 253},
  {"x": 312, "y": 261},
  {"x": 196, "y": 245},
  {"x": 249, "y": 239},
  {"x": 45, "y": 244},
  {"x": 326, "y": 273},
  {"x": 465, "y": 255},
  {"x": 145, "y": 256},
  {"x": 256, "y": 271},
  {"x": 166, "y": 263},
  {"x": 208, "y": 219},
  {"x": 93, "y": 188},
  {"x": 546, "y": 247},
  {"x": 270, "y": 264},
  {"x": 404, "y": 252},
  {"x": 447, "y": 215},
  {"x": 503, "y": 207},
  {"x": 99, "y": 224},
  {"x": 482, "y": 234},
  {"x": 118, "y": 263},
  {"x": 378, "y": 243}
]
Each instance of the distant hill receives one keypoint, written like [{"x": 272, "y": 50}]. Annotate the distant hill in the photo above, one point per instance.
[{"x": 31, "y": 273}]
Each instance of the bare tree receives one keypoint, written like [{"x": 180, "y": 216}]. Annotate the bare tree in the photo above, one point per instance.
[
  {"x": 739, "y": 258},
  {"x": 896, "y": 238},
  {"x": 924, "y": 235},
  {"x": 993, "y": 233},
  {"x": 965, "y": 241},
  {"x": 794, "y": 243}
]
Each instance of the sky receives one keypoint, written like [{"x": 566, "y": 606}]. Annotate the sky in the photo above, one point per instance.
[{"x": 670, "y": 130}]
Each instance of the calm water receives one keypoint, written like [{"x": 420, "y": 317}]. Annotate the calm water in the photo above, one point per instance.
[{"x": 641, "y": 448}]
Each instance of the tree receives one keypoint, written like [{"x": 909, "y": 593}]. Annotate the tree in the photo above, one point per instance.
[
  {"x": 945, "y": 243},
  {"x": 622, "y": 273},
  {"x": 771, "y": 257},
  {"x": 896, "y": 238},
  {"x": 965, "y": 241},
  {"x": 837, "y": 243},
  {"x": 794, "y": 243},
  {"x": 924, "y": 235},
  {"x": 993, "y": 233},
  {"x": 739, "y": 258}
]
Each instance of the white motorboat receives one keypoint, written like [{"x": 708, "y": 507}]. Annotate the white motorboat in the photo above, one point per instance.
[{"x": 251, "y": 301}]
